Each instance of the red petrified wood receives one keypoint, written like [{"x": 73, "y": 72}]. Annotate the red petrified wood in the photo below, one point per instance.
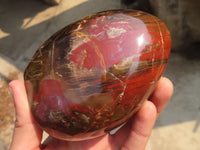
[{"x": 92, "y": 75}]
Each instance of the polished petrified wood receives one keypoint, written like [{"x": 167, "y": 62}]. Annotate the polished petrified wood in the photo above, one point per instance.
[{"x": 93, "y": 75}]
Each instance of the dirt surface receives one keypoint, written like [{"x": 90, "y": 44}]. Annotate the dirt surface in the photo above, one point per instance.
[
  {"x": 178, "y": 127},
  {"x": 7, "y": 110}
]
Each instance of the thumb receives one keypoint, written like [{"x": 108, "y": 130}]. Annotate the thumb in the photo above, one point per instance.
[{"x": 27, "y": 135}]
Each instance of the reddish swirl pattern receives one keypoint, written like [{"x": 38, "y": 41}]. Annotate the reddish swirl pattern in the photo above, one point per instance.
[{"x": 92, "y": 75}]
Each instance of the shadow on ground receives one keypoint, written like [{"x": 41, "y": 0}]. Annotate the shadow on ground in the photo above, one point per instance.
[{"x": 19, "y": 42}]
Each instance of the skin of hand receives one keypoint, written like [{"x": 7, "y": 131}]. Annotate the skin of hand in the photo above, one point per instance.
[{"x": 133, "y": 135}]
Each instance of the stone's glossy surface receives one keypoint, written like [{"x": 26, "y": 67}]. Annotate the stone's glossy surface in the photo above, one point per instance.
[{"x": 92, "y": 75}]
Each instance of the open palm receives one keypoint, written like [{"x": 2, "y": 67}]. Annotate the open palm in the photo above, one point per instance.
[{"x": 132, "y": 136}]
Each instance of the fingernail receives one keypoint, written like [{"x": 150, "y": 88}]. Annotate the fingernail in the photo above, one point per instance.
[{"x": 10, "y": 90}]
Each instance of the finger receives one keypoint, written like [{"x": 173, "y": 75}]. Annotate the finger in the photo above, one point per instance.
[
  {"x": 27, "y": 135},
  {"x": 102, "y": 142},
  {"x": 141, "y": 127},
  {"x": 162, "y": 94}
]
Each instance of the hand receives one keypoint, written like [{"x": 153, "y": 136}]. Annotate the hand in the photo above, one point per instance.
[{"x": 133, "y": 135}]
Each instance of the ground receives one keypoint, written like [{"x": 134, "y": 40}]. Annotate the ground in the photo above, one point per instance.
[{"x": 25, "y": 25}]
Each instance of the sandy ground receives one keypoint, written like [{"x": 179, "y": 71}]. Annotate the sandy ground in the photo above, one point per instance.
[{"x": 25, "y": 25}]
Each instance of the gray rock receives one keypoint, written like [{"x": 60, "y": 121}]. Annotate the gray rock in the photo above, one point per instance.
[
  {"x": 180, "y": 16},
  {"x": 52, "y": 2},
  {"x": 182, "y": 19},
  {"x": 143, "y": 5}
]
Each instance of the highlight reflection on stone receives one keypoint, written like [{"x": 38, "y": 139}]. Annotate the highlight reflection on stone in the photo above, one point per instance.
[{"x": 92, "y": 75}]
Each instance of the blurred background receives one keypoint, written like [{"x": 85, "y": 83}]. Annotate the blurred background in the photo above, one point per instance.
[{"x": 26, "y": 24}]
